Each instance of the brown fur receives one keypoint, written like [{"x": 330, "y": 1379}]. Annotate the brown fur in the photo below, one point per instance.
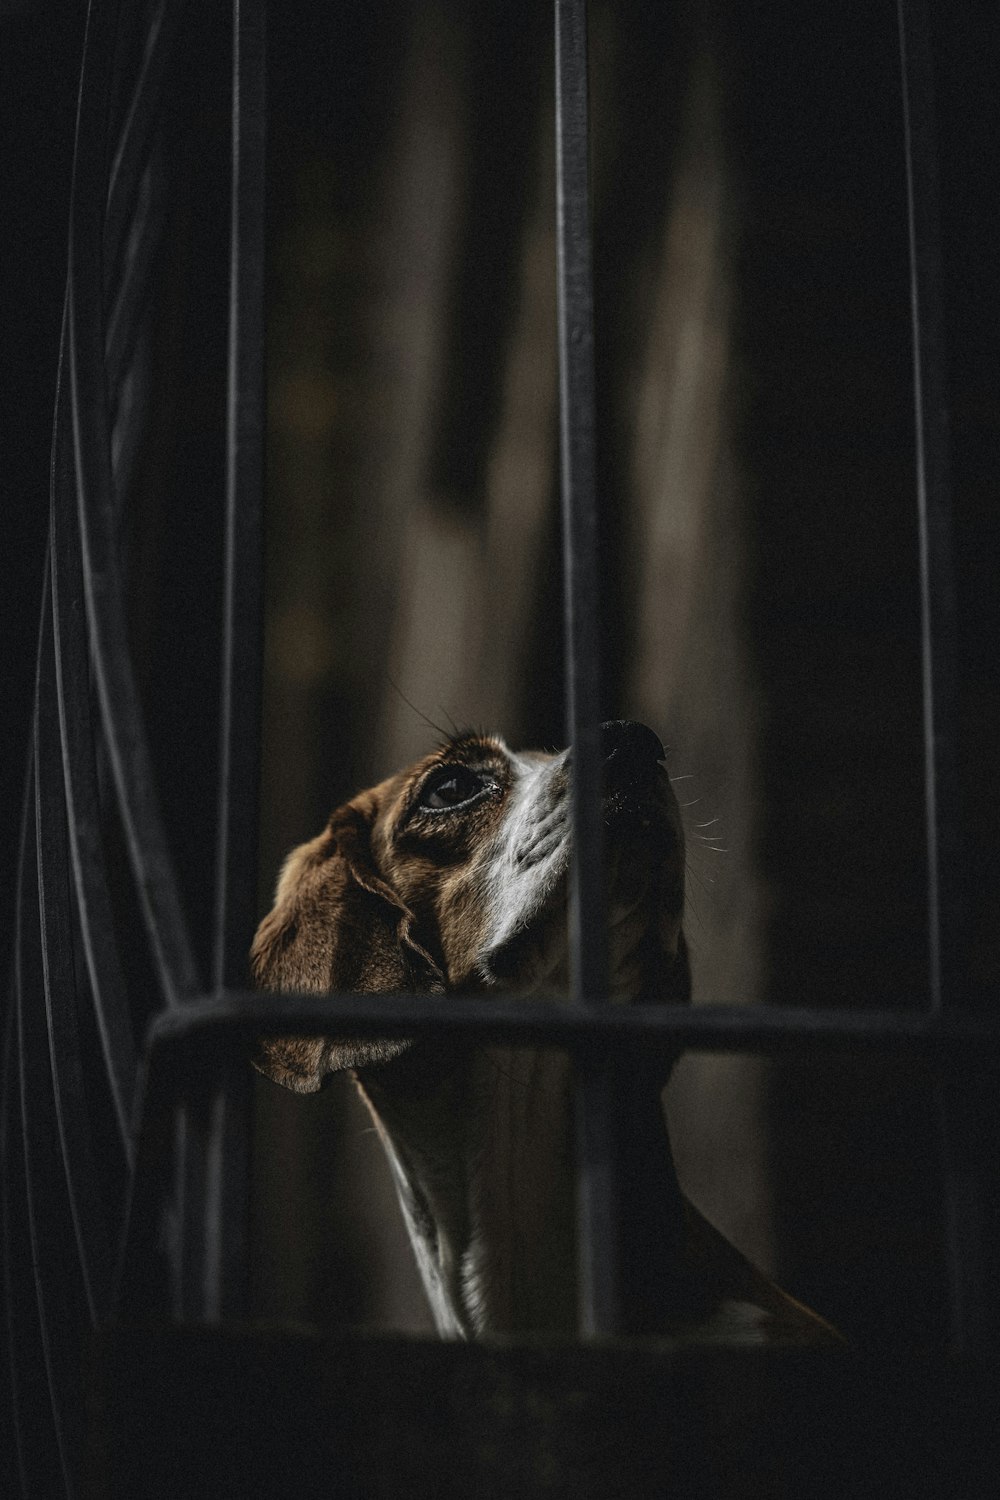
[
  {"x": 336, "y": 925},
  {"x": 389, "y": 898}
]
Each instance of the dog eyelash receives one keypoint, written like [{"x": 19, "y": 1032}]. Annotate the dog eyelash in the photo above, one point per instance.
[{"x": 471, "y": 783}]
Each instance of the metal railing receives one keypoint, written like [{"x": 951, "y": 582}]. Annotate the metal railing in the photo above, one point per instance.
[{"x": 125, "y": 1116}]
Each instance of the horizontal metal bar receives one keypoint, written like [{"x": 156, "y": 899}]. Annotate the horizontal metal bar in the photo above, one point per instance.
[{"x": 933, "y": 1039}]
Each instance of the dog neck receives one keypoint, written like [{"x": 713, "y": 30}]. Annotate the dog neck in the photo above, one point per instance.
[
  {"x": 483, "y": 1169},
  {"x": 480, "y": 1142}
]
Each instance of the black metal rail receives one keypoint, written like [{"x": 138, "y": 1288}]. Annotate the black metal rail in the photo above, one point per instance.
[
  {"x": 124, "y": 1141},
  {"x": 947, "y": 915},
  {"x": 600, "y": 1145},
  {"x": 74, "y": 1179},
  {"x": 97, "y": 502},
  {"x": 770, "y": 1030}
]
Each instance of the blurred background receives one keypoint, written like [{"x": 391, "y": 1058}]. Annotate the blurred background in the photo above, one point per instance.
[
  {"x": 414, "y": 556},
  {"x": 759, "y": 545}
]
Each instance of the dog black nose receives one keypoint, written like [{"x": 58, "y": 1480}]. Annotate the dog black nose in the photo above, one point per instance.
[{"x": 631, "y": 752}]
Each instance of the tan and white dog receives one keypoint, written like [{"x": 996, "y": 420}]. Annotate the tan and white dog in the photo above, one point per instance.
[{"x": 451, "y": 876}]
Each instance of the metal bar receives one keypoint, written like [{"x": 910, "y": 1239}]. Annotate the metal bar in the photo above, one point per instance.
[
  {"x": 20, "y": 1331},
  {"x": 211, "y": 1192},
  {"x": 129, "y": 299},
  {"x": 961, "y": 1147},
  {"x": 127, "y": 751},
  {"x": 588, "y": 938},
  {"x": 137, "y": 131},
  {"x": 189, "y": 1208},
  {"x": 220, "y": 1192},
  {"x": 72, "y": 1123},
  {"x": 147, "y": 1281},
  {"x": 86, "y": 847},
  {"x": 175, "y": 1252},
  {"x": 54, "y": 1273},
  {"x": 32, "y": 1417},
  {"x": 599, "y": 1205},
  {"x": 236, "y": 859},
  {"x": 129, "y": 428},
  {"x": 224, "y": 1116},
  {"x": 946, "y": 914},
  {"x": 40, "y": 1432},
  {"x": 937, "y": 1041}
]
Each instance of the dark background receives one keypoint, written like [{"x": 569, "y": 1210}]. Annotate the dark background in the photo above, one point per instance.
[
  {"x": 407, "y": 159},
  {"x": 39, "y": 62}
]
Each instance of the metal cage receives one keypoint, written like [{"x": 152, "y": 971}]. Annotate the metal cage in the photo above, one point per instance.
[{"x": 125, "y": 1116}]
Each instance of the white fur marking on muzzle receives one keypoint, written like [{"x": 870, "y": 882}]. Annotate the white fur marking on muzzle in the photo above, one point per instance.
[{"x": 525, "y": 861}]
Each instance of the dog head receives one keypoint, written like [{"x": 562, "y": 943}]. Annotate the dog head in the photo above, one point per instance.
[{"x": 452, "y": 875}]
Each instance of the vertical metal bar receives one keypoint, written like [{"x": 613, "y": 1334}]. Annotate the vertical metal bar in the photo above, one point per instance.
[
  {"x": 946, "y": 920},
  {"x": 236, "y": 871},
  {"x": 224, "y": 1184},
  {"x": 138, "y": 128},
  {"x": 149, "y": 1273},
  {"x": 19, "y": 1329},
  {"x": 129, "y": 298},
  {"x": 120, "y": 709},
  {"x": 93, "y": 902},
  {"x": 188, "y": 1260},
  {"x": 225, "y": 1187},
  {"x": 598, "y": 1252},
  {"x": 579, "y": 500},
  {"x": 54, "y": 1272},
  {"x": 32, "y": 1415},
  {"x": 946, "y": 913},
  {"x": 72, "y": 1130}
]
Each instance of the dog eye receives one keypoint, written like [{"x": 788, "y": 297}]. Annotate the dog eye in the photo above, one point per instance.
[{"x": 451, "y": 786}]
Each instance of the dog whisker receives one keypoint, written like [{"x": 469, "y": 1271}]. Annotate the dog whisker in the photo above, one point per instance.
[
  {"x": 692, "y": 911},
  {"x": 419, "y": 712},
  {"x": 479, "y": 1138},
  {"x": 701, "y": 879},
  {"x": 454, "y": 727}
]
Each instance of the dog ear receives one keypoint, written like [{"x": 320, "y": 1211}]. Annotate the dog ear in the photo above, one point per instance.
[{"x": 336, "y": 925}]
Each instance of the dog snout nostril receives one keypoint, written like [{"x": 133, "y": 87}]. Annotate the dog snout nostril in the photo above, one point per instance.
[
  {"x": 635, "y": 740},
  {"x": 631, "y": 752}
]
